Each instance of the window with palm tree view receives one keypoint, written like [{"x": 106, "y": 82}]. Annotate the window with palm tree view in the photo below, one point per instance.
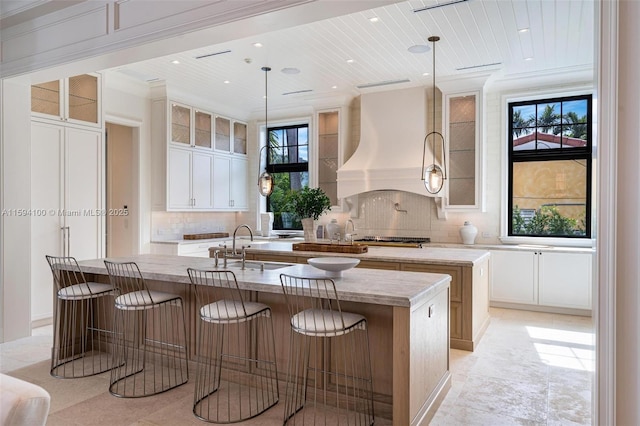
[
  {"x": 550, "y": 160},
  {"x": 288, "y": 163}
]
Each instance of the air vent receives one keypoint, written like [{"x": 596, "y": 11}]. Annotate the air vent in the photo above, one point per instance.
[
  {"x": 213, "y": 54},
  {"x": 435, "y": 6},
  {"x": 297, "y": 91},
  {"x": 382, "y": 83},
  {"x": 479, "y": 66}
]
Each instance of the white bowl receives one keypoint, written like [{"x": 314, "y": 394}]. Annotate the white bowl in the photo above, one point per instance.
[{"x": 333, "y": 266}]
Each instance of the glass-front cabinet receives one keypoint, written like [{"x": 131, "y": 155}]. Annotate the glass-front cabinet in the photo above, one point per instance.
[
  {"x": 190, "y": 126},
  {"x": 230, "y": 136},
  {"x": 74, "y": 100},
  {"x": 328, "y": 153},
  {"x": 239, "y": 138},
  {"x": 463, "y": 138}
]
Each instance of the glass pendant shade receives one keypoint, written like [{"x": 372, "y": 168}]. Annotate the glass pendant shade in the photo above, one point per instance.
[
  {"x": 265, "y": 184},
  {"x": 433, "y": 179}
]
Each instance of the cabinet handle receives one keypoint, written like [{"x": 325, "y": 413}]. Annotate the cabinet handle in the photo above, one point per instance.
[{"x": 68, "y": 241}]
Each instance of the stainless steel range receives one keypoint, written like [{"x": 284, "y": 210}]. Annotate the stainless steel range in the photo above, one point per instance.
[{"x": 394, "y": 241}]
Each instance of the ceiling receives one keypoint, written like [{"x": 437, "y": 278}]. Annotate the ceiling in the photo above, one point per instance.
[{"x": 509, "y": 38}]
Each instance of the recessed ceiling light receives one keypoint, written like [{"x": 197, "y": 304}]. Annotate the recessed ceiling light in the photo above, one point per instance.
[
  {"x": 290, "y": 70},
  {"x": 334, "y": 87},
  {"x": 175, "y": 61},
  {"x": 426, "y": 73},
  {"x": 523, "y": 30},
  {"x": 419, "y": 48},
  {"x": 350, "y": 61},
  {"x": 257, "y": 44},
  {"x": 528, "y": 59},
  {"x": 227, "y": 82},
  {"x": 374, "y": 19}
]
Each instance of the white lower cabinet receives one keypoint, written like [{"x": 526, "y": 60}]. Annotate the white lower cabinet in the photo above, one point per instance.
[
  {"x": 230, "y": 177},
  {"x": 190, "y": 180},
  {"x": 66, "y": 194},
  {"x": 542, "y": 277}
]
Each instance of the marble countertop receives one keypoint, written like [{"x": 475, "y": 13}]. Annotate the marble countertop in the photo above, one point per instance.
[
  {"x": 392, "y": 288},
  {"x": 432, "y": 255}
]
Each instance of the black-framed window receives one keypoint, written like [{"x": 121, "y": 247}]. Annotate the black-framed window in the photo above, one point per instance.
[
  {"x": 288, "y": 163},
  {"x": 550, "y": 162}
]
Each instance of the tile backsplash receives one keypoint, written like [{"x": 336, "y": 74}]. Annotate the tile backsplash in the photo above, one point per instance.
[{"x": 173, "y": 225}]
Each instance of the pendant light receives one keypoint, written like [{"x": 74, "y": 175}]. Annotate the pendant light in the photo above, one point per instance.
[
  {"x": 433, "y": 175},
  {"x": 265, "y": 180}
]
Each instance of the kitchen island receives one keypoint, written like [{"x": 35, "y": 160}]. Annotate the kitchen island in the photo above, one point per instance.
[
  {"x": 468, "y": 268},
  {"x": 407, "y": 314}
]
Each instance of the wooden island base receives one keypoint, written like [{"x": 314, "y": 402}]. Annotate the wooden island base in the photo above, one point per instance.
[{"x": 407, "y": 315}]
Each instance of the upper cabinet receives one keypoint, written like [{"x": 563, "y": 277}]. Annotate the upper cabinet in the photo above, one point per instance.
[
  {"x": 230, "y": 136},
  {"x": 190, "y": 126},
  {"x": 462, "y": 124},
  {"x": 73, "y": 100},
  {"x": 329, "y": 146}
]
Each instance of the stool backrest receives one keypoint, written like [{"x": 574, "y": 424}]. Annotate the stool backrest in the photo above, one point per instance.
[
  {"x": 303, "y": 293},
  {"x": 214, "y": 285},
  {"x": 66, "y": 272},
  {"x": 127, "y": 278}
]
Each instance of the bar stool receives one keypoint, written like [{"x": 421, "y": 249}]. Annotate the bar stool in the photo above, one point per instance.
[
  {"x": 81, "y": 337},
  {"x": 150, "y": 351},
  {"x": 236, "y": 376},
  {"x": 329, "y": 378}
]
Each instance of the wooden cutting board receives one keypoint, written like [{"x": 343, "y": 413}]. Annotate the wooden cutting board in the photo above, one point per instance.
[
  {"x": 333, "y": 248},
  {"x": 205, "y": 236}
]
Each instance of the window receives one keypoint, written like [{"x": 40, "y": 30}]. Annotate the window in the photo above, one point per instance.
[
  {"x": 288, "y": 163},
  {"x": 550, "y": 149}
]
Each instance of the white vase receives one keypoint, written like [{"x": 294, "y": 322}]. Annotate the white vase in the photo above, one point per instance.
[
  {"x": 333, "y": 230},
  {"x": 468, "y": 233},
  {"x": 309, "y": 231}
]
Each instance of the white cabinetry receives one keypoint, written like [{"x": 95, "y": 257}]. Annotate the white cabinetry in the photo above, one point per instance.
[
  {"x": 230, "y": 177},
  {"x": 542, "y": 277},
  {"x": 73, "y": 100},
  {"x": 66, "y": 197},
  {"x": 190, "y": 180}
]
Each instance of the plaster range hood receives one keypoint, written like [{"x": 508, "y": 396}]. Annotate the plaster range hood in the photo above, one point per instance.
[{"x": 393, "y": 125}]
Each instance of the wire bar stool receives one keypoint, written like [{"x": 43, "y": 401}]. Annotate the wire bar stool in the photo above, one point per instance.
[
  {"x": 149, "y": 349},
  {"x": 236, "y": 375},
  {"x": 329, "y": 377},
  {"x": 81, "y": 338}
]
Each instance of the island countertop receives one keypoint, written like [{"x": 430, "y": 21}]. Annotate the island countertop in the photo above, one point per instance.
[
  {"x": 397, "y": 288},
  {"x": 435, "y": 255}
]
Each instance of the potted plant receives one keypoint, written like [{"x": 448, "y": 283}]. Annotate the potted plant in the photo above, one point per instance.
[{"x": 308, "y": 204}]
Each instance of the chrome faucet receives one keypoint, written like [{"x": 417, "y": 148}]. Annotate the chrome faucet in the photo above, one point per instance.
[
  {"x": 348, "y": 237},
  {"x": 234, "y": 253}
]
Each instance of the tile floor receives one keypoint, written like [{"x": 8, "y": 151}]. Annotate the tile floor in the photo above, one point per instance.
[{"x": 529, "y": 369}]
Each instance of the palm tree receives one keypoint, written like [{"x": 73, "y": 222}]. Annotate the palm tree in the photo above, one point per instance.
[
  {"x": 578, "y": 128},
  {"x": 518, "y": 123},
  {"x": 548, "y": 120}
]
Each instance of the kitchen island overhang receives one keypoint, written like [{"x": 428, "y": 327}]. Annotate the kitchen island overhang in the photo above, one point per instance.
[{"x": 407, "y": 313}]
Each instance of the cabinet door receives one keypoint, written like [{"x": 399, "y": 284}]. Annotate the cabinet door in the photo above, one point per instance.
[
  {"x": 565, "y": 279},
  {"x": 239, "y": 138},
  {"x": 202, "y": 180},
  {"x": 83, "y": 181},
  {"x": 47, "y": 193},
  {"x": 180, "y": 131},
  {"x": 223, "y": 134},
  {"x": 179, "y": 180},
  {"x": 46, "y": 99},
  {"x": 462, "y": 132},
  {"x": 83, "y": 99},
  {"x": 221, "y": 189},
  {"x": 203, "y": 129},
  {"x": 238, "y": 184},
  {"x": 514, "y": 277},
  {"x": 328, "y": 153}
]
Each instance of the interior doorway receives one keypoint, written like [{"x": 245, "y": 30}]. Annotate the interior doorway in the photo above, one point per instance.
[{"x": 122, "y": 200}]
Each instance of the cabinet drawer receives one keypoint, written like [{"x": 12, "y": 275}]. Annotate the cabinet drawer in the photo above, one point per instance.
[
  {"x": 375, "y": 264},
  {"x": 454, "y": 271}
]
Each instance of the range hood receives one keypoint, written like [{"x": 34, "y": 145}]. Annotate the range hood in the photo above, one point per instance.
[{"x": 393, "y": 125}]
